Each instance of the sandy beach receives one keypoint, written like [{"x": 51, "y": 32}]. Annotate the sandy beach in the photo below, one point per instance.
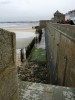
[{"x": 20, "y": 29}]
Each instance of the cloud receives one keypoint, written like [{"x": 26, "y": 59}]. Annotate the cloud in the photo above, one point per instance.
[
  {"x": 5, "y": 2},
  {"x": 33, "y": 9}
]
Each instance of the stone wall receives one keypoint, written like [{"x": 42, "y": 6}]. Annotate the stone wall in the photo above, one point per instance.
[
  {"x": 60, "y": 47},
  {"x": 8, "y": 72},
  {"x": 42, "y": 23}
]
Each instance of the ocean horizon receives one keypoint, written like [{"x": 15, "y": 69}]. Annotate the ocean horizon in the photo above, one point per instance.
[
  {"x": 18, "y": 24},
  {"x": 23, "y": 36}
]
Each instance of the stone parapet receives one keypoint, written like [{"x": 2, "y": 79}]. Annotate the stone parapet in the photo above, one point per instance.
[{"x": 8, "y": 72}]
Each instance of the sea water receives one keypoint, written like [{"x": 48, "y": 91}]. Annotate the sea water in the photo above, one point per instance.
[{"x": 18, "y": 25}]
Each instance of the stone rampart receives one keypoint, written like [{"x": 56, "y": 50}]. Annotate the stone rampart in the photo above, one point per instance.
[
  {"x": 60, "y": 47},
  {"x": 8, "y": 72},
  {"x": 42, "y": 23}
]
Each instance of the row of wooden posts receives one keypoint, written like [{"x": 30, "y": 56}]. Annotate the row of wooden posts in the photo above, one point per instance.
[{"x": 25, "y": 52}]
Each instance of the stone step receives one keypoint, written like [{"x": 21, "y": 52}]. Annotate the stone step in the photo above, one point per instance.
[{"x": 39, "y": 91}]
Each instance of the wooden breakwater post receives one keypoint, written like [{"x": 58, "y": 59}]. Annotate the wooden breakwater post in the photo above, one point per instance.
[
  {"x": 29, "y": 48},
  {"x": 25, "y": 52},
  {"x": 22, "y": 53}
]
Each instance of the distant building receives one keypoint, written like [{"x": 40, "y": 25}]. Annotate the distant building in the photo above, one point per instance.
[
  {"x": 58, "y": 16},
  {"x": 70, "y": 16}
]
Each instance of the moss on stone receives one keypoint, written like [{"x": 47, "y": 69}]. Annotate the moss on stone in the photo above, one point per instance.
[{"x": 38, "y": 55}]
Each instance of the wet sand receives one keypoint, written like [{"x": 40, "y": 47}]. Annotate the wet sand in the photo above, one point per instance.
[{"x": 20, "y": 29}]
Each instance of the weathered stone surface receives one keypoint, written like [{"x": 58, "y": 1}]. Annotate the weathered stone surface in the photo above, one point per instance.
[
  {"x": 34, "y": 72},
  {"x": 8, "y": 78},
  {"x": 43, "y": 23},
  {"x": 60, "y": 43},
  {"x": 38, "y": 91},
  {"x": 6, "y": 48}
]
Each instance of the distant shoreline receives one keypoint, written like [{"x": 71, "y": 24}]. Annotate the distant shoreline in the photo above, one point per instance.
[{"x": 20, "y": 22}]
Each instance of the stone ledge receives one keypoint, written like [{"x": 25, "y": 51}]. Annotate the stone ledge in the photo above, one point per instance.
[{"x": 39, "y": 91}]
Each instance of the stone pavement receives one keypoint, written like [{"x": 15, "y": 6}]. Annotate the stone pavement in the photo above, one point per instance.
[{"x": 39, "y": 91}]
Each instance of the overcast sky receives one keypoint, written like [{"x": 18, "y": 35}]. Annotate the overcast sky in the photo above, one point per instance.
[{"x": 26, "y": 10}]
